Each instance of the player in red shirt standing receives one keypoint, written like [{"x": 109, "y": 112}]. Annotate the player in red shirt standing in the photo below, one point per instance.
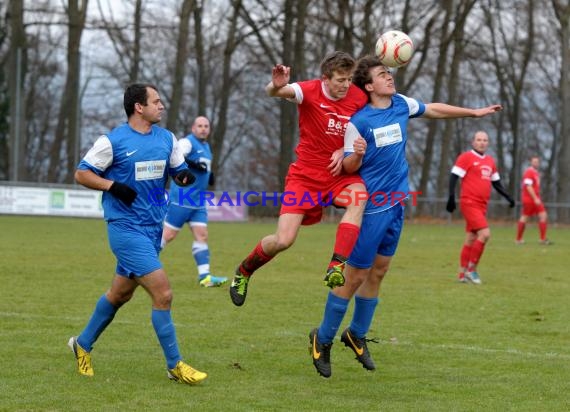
[
  {"x": 315, "y": 178},
  {"x": 477, "y": 172},
  {"x": 531, "y": 202}
]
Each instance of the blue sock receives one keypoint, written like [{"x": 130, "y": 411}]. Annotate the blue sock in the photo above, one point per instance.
[
  {"x": 102, "y": 315},
  {"x": 334, "y": 313},
  {"x": 363, "y": 313},
  {"x": 202, "y": 257},
  {"x": 166, "y": 333}
]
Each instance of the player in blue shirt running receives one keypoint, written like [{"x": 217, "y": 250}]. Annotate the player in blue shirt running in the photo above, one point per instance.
[
  {"x": 375, "y": 144},
  {"x": 131, "y": 166},
  {"x": 187, "y": 206}
]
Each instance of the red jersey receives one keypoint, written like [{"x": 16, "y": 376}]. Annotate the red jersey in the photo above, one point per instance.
[
  {"x": 476, "y": 172},
  {"x": 531, "y": 178},
  {"x": 322, "y": 121}
]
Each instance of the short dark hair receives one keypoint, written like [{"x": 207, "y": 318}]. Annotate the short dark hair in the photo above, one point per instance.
[
  {"x": 337, "y": 61},
  {"x": 361, "y": 75},
  {"x": 136, "y": 93}
]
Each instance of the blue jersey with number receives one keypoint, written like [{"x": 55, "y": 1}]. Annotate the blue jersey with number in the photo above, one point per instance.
[
  {"x": 384, "y": 166},
  {"x": 196, "y": 150},
  {"x": 141, "y": 161}
]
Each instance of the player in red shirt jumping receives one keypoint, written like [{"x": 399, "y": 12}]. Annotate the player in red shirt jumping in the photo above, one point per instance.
[
  {"x": 477, "y": 172},
  {"x": 531, "y": 202},
  {"x": 316, "y": 177}
]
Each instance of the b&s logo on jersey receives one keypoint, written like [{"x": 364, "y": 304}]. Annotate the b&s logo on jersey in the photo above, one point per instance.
[
  {"x": 152, "y": 169},
  {"x": 337, "y": 124},
  {"x": 486, "y": 172}
]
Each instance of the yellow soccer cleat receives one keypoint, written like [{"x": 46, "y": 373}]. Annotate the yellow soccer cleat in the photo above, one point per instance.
[
  {"x": 211, "y": 281},
  {"x": 335, "y": 277},
  {"x": 185, "y": 373},
  {"x": 83, "y": 357}
]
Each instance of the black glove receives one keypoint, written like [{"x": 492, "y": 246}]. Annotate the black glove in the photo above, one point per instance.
[
  {"x": 184, "y": 178},
  {"x": 199, "y": 166},
  {"x": 212, "y": 179},
  {"x": 450, "y": 207},
  {"x": 123, "y": 192},
  {"x": 511, "y": 202}
]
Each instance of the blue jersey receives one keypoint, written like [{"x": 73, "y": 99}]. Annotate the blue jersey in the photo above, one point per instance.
[
  {"x": 141, "y": 161},
  {"x": 195, "y": 150},
  {"x": 384, "y": 166}
]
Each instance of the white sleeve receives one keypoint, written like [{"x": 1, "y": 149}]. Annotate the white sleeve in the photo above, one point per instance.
[
  {"x": 413, "y": 105},
  {"x": 527, "y": 182},
  {"x": 298, "y": 93},
  {"x": 456, "y": 170},
  {"x": 100, "y": 156},
  {"x": 185, "y": 146},
  {"x": 177, "y": 156},
  {"x": 350, "y": 135}
]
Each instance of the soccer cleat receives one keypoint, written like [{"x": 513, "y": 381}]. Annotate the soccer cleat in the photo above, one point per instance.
[
  {"x": 519, "y": 241},
  {"x": 334, "y": 277},
  {"x": 461, "y": 277},
  {"x": 545, "y": 242},
  {"x": 320, "y": 353},
  {"x": 210, "y": 281},
  {"x": 238, "y": 288},
  {"x": 83, "y": 357},
  {"x": 185, "y": 373},
  {"x": 359, "y": 347},
  {"x": 473, "y": 277}
]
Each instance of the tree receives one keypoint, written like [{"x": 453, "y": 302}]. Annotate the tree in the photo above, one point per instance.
[
  {"x": 445, "y": 39},
  {"x": 219, "y": 134},
  {"x": 4, "y": 101},
  {"x": 180, "y": 64},
  {"x": 63, "y": 163},
  {"x": 562, "y": 11},
  {"x": 515, "y": 46},
  {"x": 17, "y": 68},
  {"x": 126, "y": 41}
]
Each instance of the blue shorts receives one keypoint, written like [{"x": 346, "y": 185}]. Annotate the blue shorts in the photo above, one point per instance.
[
  {"x": 379, "y": 235},
  {"x": 136, "y": 247},
  {"x": 176, "y": 216}
]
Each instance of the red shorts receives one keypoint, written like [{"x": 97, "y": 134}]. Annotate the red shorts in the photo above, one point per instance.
[
  {"x": 308, "y": 191},
  {"x": 475, "y": 216},
  {"x": 531, "y": 209}
]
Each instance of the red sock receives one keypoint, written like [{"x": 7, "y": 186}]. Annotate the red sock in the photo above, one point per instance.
[
  {"x": 256, "y": 259},
  {"x": 464, "y": 256},
  {"x": 542, "y": 229},
  {"x": 476, "y": 251},
  {"x": 346, "y": 235},
  {"x": 520, "y": 230}
]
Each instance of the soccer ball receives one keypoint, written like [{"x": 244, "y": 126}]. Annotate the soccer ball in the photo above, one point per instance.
[{"x": 394, "y": 48}]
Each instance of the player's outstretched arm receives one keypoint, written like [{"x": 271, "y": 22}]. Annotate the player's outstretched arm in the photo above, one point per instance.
[
  {"x": 279, "y": 84},
  {"x": 447, "y": 111}
]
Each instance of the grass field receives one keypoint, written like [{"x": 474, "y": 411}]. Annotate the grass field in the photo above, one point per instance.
[{"x": 444, "y": 346}]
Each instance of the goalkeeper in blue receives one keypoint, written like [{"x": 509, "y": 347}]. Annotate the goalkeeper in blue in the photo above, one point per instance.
[
  {"x": 187, "y": 205},
  {"x": 375, "y": 144},
  {"x": 131, "y": 165}
]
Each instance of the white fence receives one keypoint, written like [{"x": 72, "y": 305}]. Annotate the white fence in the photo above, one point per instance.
[{"x": 75, "y": 201}]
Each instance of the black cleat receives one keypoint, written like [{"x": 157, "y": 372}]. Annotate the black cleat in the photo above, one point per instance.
[
  {"x": 359, "y": 347},
  {"x": 321, "y": 354},
  {"x": 238, "y": 288}
]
